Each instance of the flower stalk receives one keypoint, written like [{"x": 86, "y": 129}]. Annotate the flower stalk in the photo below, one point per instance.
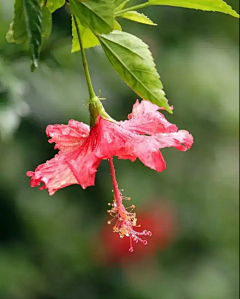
[
  {"x": 85, "y": 64},
  {"x": 95, "y": 106}
]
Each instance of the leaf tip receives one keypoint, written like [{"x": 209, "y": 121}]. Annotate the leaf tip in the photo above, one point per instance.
[
  {"x": 236, "y": 15},
  {"x": 34, "y": 66}
]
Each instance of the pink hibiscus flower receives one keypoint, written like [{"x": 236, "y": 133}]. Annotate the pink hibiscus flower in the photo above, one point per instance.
[{"x": 81, "y": 149}]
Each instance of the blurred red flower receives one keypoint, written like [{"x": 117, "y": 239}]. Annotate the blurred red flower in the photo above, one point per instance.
[{"x": 159, "y": 217}]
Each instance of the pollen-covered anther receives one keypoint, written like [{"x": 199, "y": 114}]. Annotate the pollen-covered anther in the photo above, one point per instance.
[
  {"x": 125, "y": 223},
  {"x": 126, "y": 197}
]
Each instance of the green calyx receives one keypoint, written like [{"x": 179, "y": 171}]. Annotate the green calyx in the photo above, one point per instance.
[{"x": 96, "y": 108}]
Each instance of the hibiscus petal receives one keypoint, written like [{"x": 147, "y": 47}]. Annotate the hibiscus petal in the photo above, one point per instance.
[
  {"x": 147, "y": 151},
  {"x": 116, "y": 141},
  {"x": 54, "y": 174},
  {"x": 85, "y": 163},
  {"x": 85, "y": 169},
  {"x": 145, "y": 119},
  {"x": 181, "y": 140},
  {"x": 113, "y": 140},
  {"x": 77, "y": 166},
  {"x": 68, "y": 137}
]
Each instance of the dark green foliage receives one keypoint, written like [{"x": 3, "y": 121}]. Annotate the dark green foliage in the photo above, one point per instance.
[{"x": 96, "y": 17}]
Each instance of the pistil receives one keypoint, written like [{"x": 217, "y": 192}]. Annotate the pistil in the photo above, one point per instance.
[{"x": 125, "y": 218}]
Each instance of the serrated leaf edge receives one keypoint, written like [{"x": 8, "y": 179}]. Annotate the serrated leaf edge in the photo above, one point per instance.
[
  {"x": 123, "y": 15},
  {"x": 123, "y": 64}
]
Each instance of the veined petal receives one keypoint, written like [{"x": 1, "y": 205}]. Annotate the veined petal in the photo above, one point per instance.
[
  {"x": 68, "y": 137},
  {"x": 68, "y": 168},
  {"x": 181, "y": 140},
  {"x": 85, "y": 169},
  {"x": 145, "y": 119},
  {"x": 112, "y": 140},
  {"x": 117, "y": 141},
  {"x": 84, "y": 165},
  {"x": 147, "y": 151},
  {"x": 54, "y": 174}
]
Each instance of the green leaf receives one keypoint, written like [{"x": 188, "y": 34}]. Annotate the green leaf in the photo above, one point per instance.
[
  {"x": 9, "y": 35},
  {"x": 97, "y": 15},
  {"x": 20, "y": 39},
  {"x": 19, "y": 23},
  {"x": 121, "y": 6},
  {"x": 208, "y": 5},
  {"x": 117, "y": 26},
  {"x": 88, "y": 38},
  {"x": 27, "y": 24},
  {"x": 46, "y": 22},
  {"x": 17, "y": 32},
  {"x": 33, "y": 19},
  {"x": 133, "y": 61},
  {"x": 54, "y": 4},
  {"x": 137, "y": 17}
]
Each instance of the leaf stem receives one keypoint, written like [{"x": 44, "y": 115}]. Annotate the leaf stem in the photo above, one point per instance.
[
  {"x": 145, "y": 4},
  {"x": 85, "y": 64}
]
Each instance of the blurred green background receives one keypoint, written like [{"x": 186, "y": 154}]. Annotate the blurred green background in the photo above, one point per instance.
[{"x": 60, "y": 247}]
